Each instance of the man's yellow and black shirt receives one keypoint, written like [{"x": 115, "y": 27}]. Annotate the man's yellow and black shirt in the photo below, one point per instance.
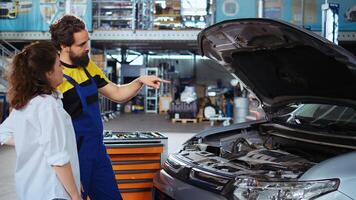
[{"x": 71, "y": 100}]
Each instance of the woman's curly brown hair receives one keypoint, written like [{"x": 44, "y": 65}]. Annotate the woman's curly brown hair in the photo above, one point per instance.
[{"x": 27, "y": 73}]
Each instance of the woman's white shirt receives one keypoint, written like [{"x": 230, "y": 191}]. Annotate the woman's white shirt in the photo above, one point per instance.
[{"x": 44, "y": 137}]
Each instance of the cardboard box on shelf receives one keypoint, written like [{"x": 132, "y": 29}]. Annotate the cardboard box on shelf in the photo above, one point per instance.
[
  {"x": 175, "y": 4},
  {"x": 213, "y": 100},
  {"x": 200, "y": 114},
  {"x": 102, "y": 65},
  {"x": 164, "y": 103},
  {"x": 127, "y": 108},
  {"x": 200, "y": 90},
  {"x": 99, "y": 59}
]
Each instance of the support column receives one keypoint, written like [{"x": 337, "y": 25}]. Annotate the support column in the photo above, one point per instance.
[{"x": 260, "y": 8}]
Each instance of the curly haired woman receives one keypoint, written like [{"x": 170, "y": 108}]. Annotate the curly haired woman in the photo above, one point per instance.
[{"x": 47, "y": 160}]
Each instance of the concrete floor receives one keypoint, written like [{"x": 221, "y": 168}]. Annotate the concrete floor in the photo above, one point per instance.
[
  {"x": 177, "y": 134},
  {"x": 7, "y": 169},
  {"x": 152, "y": 122}
]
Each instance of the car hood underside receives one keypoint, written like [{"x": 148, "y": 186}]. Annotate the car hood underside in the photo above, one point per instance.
[{"x": 280, "y": 62}]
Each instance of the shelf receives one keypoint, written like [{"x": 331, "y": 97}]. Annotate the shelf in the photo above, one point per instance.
[
  {"x": 167, "y": 22},
  {"x": 151, "y": 98},
  {"x": 151, "y": 94},
  {"x": 113, "y": 15},
  {"x": 113, "y": 18},
  {"x": 137, "y": 35},
  {"x": 111, "y": 1},
  {"x": 167, "y": 15},
  {"x": 116, "y": 7},
  {"x": 145, "y": 35}
]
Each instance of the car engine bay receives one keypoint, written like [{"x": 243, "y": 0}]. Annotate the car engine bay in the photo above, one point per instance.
[{"x": 256, "y": 151}]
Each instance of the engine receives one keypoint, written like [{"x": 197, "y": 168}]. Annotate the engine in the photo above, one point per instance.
[{"x": 247, "y": 154}]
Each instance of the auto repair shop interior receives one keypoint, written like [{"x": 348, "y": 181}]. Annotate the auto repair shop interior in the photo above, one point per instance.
[{"x": 261, "y": 102}]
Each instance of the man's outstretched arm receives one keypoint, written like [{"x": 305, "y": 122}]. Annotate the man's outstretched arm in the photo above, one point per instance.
[{"x": 123, "y": 93}]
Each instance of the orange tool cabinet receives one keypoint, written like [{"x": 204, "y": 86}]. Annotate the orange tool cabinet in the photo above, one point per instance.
[{"x": 135, "y": 158}]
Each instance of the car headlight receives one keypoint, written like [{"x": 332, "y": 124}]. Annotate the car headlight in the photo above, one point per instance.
[
  {"x": 209, "y": 181},
  {"x": 176, "y": 168},
  {"x": 174, "y": 164},
  {"x": 249, "y": 188},
  {"x": 206, "y": 180}
]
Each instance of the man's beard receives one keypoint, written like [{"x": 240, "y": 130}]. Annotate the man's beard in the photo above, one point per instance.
[{"x": 81, "y": 60}]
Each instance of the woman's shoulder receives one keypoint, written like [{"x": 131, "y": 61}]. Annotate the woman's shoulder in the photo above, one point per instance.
[{"x": 46, "y": 100}]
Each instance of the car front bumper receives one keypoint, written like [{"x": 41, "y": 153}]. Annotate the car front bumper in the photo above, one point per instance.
[{"x": 167, "y": 187}]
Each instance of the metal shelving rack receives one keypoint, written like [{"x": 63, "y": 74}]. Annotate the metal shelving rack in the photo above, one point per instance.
[
  {"x": 113, "y": 14},
  {"x": 151, "y": 94},
  {"x": 144, "y": 12},
  {"x": 116, "y": 35},
  {"x": 137, "y": 35}
]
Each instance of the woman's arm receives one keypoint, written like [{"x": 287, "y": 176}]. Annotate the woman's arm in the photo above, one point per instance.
[
  {"x": 10, "y": 141},
  {"x": 54, "y": 141},
  {"x": 65, "y": 176},
  {"x": 6, "y": 131}
]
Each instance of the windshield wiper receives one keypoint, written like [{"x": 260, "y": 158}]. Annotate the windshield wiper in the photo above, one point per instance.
[{"x": 301, "y": 120}]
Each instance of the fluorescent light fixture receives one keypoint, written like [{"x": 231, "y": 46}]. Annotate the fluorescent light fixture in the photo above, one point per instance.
[{"x": 211, "y": 94}]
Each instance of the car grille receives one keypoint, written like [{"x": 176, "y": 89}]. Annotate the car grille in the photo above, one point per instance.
[{"x": 159, "y": 195}]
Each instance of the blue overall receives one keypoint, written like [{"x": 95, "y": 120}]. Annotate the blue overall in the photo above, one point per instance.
[{"x": 96, "y": 173}]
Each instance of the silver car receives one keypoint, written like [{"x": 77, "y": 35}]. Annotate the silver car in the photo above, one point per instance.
[{"x": 303, "y": 149}]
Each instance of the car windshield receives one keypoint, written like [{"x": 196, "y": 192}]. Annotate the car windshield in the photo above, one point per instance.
[{"x": 331, "y": 117}]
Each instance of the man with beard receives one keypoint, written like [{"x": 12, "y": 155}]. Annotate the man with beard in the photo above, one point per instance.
[{"x": 83, "y": 81}]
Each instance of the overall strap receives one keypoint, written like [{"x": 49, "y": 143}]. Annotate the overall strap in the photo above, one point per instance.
[
  {"x": 70, "y": 79},
  {"x": 87, "y": 73},
  {"x": 80, "y": 139},
  {"x": 77, "y": 88}
]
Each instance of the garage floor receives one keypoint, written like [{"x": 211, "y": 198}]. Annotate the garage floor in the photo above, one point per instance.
[
  {"x": 176, "y": 133},
  {"x": 152, "y": 122}
]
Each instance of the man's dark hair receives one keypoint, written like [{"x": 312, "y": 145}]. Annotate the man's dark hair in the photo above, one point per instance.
[{"x": 63, "y": 29}]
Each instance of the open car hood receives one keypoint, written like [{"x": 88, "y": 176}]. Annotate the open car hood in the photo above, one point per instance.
[{"x": 282, "y": 63}]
